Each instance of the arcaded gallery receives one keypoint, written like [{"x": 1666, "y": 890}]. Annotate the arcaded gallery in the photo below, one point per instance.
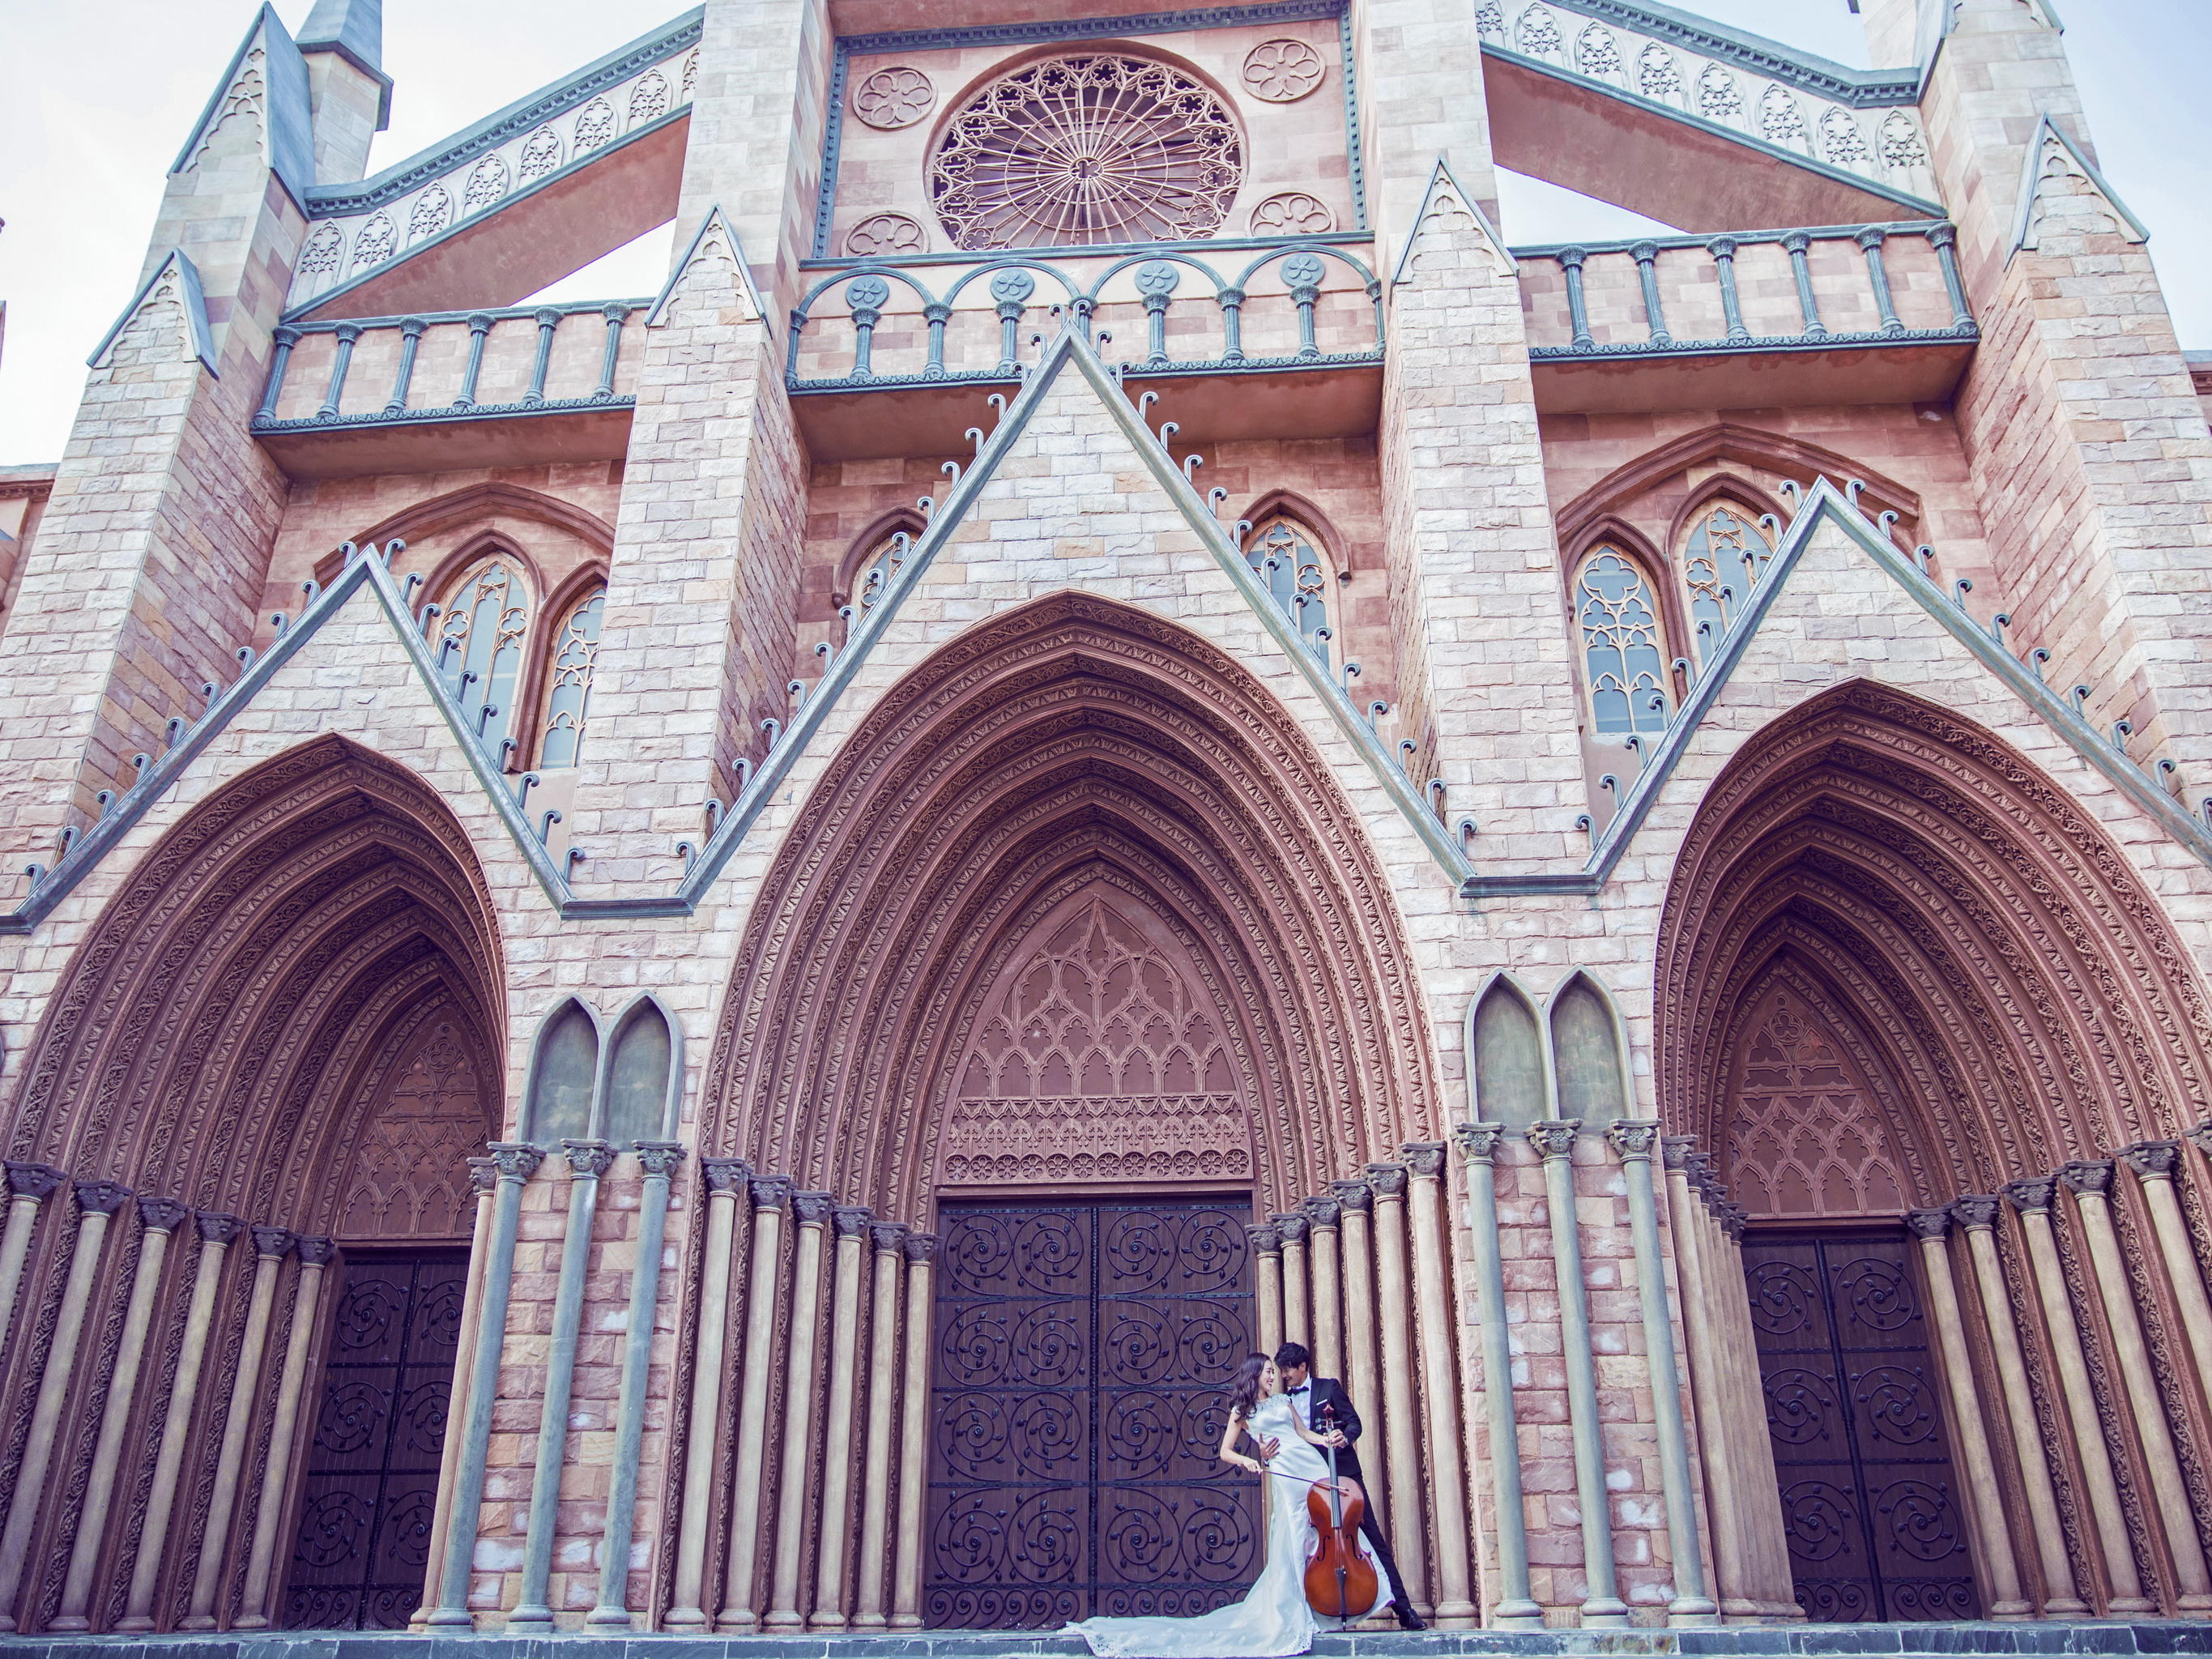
[{"x": 702, "y": 961}]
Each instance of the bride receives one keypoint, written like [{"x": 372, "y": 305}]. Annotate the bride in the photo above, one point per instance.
[{"x": 1274, "y": 1618}]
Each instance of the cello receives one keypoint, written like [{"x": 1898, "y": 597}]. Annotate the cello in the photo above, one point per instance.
[{"x": 1340, "y": 1582}]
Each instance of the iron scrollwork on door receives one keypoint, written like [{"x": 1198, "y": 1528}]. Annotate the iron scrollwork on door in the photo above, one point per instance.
[
  {"x": 365, "y": 1516},
  {"x": 1869, "y": 1505},
  {"x": 1082, "y": 1351}
]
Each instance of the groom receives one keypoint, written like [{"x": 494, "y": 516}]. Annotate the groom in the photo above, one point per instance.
[{"x": 1321, "y": 1404}]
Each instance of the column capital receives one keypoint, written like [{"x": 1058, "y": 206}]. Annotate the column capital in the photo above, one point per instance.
[
  {"x": 2032, "y": 1194},
  {"x": 318, "y": 1251},
  {"x": 2087, "y": 1177},
  {"x": 516, "y": 1160},
  {"x": 1928, "y": 1223},
  {"x": 274, "y": 1241},
  {"x": 1292, "y": 1227},
  {"x": 771, "y": 1191},
  {"x": 1388, "y": 1180},
  {"x": 163, "y": 1215},
  {"x": 2202, "y": 1134},
  {"x": 1478, "y": 1142},
  {"x": 1943, "y": 235},
  {"x": 1354, "y": 1194},
  {"x": 1643, "y": 253},
  {"x": 888, "y": 1236},
  {"x": 813, "y": 1209},
  {"x": 1571, "y": 259},
  {"x": 1425, "y": 1158},
  {"x": 2151, "y": 1160},
  {"x": 484, "y": 1175},
  {"x": 1677, "y": 1150},
  {"x": 725, "y": 1174},
  {"x": 1722, "y": 247},
  {"x": 217, "y": 1228},
  {"x": 851, "y": 1221},
  {"x": 1634, "y": 1138},
  {"x": 1976, "y": 1212},
  {"x": 1796, "y": 241},
  {"x": 658, "y": 1158},
  {"x": 921, "y": 1246},
  {"x": 101, "y": 1197},
  {"x": 33, "y": 1179},
  {"x": 1322, "y": 1211},
  {"x": 588, "y": 1157},
  {"x": 1265, "y": 1239},
  {"x": 1554, "y": 1137},
  {"x": 1871, "y": 236}
]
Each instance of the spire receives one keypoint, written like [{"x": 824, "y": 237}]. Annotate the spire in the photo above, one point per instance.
[{"x": 353, "y": 27}]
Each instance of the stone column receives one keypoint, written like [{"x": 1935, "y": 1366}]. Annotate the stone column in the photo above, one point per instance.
[
  {"x": 1356, "y": 1204},
  {"x": 483, "y": 1179},
  {"x": 2154, "y": 1163},
  {"x": 97, "y": 1203},
  {"x": 1514, "y": 1609},
  {"x": 812, "y": 1211},
  {"x": 2032, "y": 1198},
  {"x": 1691, "y": 1223},
  {"x": 1401, "y": 1431},
  {"x": 914, "y": 1431},
  {"x": 271, "y": 1246},
  {"x": 1978, "y": 1215},
  {"x": 1634, "y": 1141},
  {"x": 1298, "y": 1299},
  {"x": 2090, "y": 1181},
  {"x": 1326, "y": 1268},
  {"x": 269, "y": 1515},
  {"x": 1975, "y": 1466},
  {"x": 514, "y": 1162},
  {"x": 658, "y": 1159},
  {"x": 889, "y": 1239},
  {"x": 764, "y": 1285},
  {"x": 588, "y": 1161},
  {"x": 1267, "y": 1251},
  {"x": 159, "y": 1218},
  {"x": 1555, "y": 1141},
  {"x": 852, "y": 1228},
  {"x": 28, "y": 1186},
  {"x": 724, "y": 1179},
  {"x": 1455, "y": 1607},
  {"x": 216, "y": 1232}
]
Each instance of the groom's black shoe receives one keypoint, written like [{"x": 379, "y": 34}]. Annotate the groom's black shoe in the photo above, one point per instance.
[{"x": 1407, "y": 1618}]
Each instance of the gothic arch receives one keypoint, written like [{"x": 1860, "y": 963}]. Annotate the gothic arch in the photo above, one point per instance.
[
  {"x": 1291, "y": 505},
  {"x": 2026, "y": 993},
  {"x": 489, "y": 501},
  {"x": 853, "y": 563},
  {"x": 1074, "y": 744}
]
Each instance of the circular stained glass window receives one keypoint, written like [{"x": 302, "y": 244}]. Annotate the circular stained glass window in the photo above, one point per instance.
[{"x": 1077, "y": 151}]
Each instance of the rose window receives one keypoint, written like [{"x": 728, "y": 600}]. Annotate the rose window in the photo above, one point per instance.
[{"x": 1083, "y": 150}]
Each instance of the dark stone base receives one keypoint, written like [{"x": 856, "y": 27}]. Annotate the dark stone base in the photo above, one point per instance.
[{"x": 2114, "y": 1638}]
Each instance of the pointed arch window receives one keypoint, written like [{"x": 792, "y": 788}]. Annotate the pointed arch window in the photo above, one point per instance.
[
  {"x": 1721, "y": 562},
  {"x": 1287, "y": 557},
  {"x": 1622, "y": 647},
  {"x": 872, "y": 573},
  {"x": 480, "y": 634},
  {"x": 568, "y": 682}
]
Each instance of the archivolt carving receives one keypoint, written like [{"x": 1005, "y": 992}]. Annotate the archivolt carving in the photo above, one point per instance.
[
  {"x": 1071, "y": 743},
  {"x": 2033, "y": 996}
]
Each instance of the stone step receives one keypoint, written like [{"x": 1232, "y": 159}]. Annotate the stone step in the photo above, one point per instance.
[{"x": 1917, "y": 1641}]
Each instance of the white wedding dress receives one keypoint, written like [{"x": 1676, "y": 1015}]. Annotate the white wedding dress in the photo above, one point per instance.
[{"x": 1273, "y": 1619}]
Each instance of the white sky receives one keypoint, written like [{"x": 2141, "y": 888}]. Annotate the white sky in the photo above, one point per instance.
[{"x": 94, "y": 102}]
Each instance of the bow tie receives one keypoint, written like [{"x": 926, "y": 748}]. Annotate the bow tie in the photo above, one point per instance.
[{"x": 1301, "y": 1388}]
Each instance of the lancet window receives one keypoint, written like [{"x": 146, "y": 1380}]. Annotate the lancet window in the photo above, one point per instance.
[
  {"x": 483, "y": 626},
  {"x": 1720, "y": 564},
  {"x": 1623, "y": 648},
  {"x": 568, "y": 682},
  {"x": 1287, "y": 557}
]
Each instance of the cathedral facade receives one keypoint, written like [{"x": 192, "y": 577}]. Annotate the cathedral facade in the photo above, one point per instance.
[{"x": 701, "y": 962}]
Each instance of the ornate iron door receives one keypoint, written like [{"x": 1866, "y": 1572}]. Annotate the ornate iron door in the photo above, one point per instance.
[
  {"x": 1868, "y": 1500},
  {"x": 372, "y": 1480},
  {"x": 1082, "y": 1355}
]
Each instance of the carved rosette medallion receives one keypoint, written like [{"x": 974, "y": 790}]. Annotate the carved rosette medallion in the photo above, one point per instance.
[
  {"x": 1282, "y": 72},
  {"x": 885, "y": 236},
  {"x": 892, "y": 98}
]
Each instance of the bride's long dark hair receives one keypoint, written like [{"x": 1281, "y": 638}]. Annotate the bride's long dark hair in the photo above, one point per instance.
[{"x": 1244, "y": 1387}]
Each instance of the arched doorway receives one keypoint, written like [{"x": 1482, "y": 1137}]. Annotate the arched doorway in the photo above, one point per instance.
[
  {"x": 264, "y": 1067},
  {"x": 1080, "y": 955},
  {"x": 1904, "y": 979}
]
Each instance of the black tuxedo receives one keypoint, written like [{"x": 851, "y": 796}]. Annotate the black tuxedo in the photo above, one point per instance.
[{"x": 1320, "y": 1404}]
